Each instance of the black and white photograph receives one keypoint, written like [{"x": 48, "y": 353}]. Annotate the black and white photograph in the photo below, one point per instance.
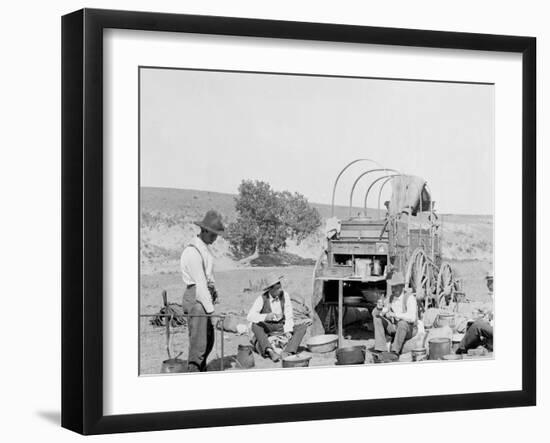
[
  {"x": 302, "y": 220},
  {"x": 305, "y": 220}
]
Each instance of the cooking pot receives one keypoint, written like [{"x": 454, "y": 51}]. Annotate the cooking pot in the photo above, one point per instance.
[
  {"x": 245, "y": 356},
  {"x": 351, "y": 355},
  {"x": 173, "y": 366},
  {"x": 296, "y": 361},
  {"x": 322, "y": 343},
  {"x": 439, "y": 346}
]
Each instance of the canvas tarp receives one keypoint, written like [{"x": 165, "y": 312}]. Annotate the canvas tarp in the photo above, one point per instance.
[{"x": 408, "y": 192}]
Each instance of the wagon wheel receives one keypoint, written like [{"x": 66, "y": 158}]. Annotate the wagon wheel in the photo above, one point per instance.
[
  {"x": 446, "y": 286},
  {"x": 420, "y": 277}
]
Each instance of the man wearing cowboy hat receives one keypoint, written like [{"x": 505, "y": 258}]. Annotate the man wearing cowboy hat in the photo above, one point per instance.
[
  {"x": 397, "y": 318},
  {"x": 197, "y": 264},
  {"x": 272, "y": 315}
]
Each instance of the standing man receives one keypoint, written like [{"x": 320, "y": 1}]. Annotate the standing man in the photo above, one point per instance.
[
  {"x": 197, "y": 263},
  {"x": 272, "y": 315},
  {"x": 398, "y": 318}
]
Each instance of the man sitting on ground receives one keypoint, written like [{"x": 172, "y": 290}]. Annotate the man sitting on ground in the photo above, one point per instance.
[
  {"x": 397, "y": 318},
  {"x": 271, "y": 317},
  {"x": 478, "y": 333}
]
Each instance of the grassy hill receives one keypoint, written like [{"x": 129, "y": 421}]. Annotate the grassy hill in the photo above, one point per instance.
[
  {"x": 167, "y": 217},
  {"x": 194, "y": 203}
]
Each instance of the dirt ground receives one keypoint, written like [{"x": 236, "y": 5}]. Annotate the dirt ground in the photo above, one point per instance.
[{"x": 236, "y": 299}]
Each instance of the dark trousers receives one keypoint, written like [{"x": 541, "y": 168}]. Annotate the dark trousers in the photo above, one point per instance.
[
  {"x": 400, "y": 331},
  {"x": 201, "y": 333},
  {"x": 480, "y": 332},
  {"x": 264, "y": 329}
]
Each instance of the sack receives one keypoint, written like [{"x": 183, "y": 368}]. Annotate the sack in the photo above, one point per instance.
[
  {"x": 233, "y": 324},
  {"x": 301, "y": 312}
]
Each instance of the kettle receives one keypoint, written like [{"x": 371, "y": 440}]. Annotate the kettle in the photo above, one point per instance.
[
  {"x": 245, "y": 356},
  {"x": 173, "y": 365}
]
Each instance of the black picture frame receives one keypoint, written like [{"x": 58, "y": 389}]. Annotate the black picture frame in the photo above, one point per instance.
[{"x": 82, "y": 220}]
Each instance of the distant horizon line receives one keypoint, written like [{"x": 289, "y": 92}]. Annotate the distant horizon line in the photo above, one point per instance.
[{"x": 311, "y": 202}]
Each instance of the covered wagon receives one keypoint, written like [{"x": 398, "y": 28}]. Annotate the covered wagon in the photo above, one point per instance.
[{"x": 365, "y": 253}]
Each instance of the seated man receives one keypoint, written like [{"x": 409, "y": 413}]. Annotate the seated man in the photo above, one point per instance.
[
  {"x": 271, "y": 315},
  {"x": 397, "y": 318},
  {"x": 479, "y": 332}
]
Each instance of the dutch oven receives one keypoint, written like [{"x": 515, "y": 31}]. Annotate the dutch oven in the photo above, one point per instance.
[
  {"x": 351, "y": 355},
  {"x": 172, "y": 366}
]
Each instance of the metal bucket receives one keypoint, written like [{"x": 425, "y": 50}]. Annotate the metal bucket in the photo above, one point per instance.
[
  {"x": 445, "y": 319},
  {"x": 173, "y": 366},
  {"x": 419, "y": 354},
  {"x": 245, "y": 356},
  {"x": 439, "y": 346}
]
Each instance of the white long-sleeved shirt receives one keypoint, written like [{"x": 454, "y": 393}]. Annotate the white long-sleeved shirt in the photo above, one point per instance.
[
  {"x": 255, "y": 316},
  {"x": 411, "y": 314},
  {"x": 192, "y": 271}
]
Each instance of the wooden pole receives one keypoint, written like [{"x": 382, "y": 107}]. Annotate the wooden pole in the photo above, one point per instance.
[
  {"x": 168, "y": 321},
  {"x": 222, "y": 337},
  {"x": 340, "y": 312}
]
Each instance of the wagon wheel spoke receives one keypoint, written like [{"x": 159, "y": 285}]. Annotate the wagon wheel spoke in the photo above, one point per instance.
[
  {"x": 420, "y": 277},
  {"x": 446, "y": 285}
]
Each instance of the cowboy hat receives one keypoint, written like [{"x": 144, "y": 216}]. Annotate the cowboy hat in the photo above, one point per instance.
[
  {"x": 212, "y": 222},
  {"x": 397, "y": 279},
  {"x": 272, "y": 280}
]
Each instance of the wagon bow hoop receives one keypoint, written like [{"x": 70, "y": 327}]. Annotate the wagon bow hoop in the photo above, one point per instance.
[{"x": 342, "y": 172}]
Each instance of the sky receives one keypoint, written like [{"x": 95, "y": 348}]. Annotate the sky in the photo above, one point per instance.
[{"x": 210, "y": 130}]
